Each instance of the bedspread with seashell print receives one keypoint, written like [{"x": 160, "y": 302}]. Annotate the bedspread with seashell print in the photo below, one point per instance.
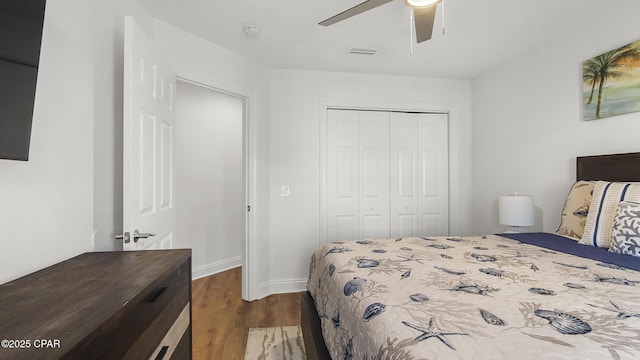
[{"x": 473, "y": 297}]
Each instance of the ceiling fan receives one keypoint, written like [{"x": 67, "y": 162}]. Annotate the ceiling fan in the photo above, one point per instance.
[{"x": 424, "y": 12}]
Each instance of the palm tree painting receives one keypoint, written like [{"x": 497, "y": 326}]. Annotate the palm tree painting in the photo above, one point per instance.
[{"x": 611, "y": 83}]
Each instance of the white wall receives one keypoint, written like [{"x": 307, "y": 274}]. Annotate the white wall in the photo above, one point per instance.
[
  {"x": 297, "y": 100},
  {"x": 46, "y": 203},
  {"x": 210, "y": 191},
  {"x": 527, "y": 127}
]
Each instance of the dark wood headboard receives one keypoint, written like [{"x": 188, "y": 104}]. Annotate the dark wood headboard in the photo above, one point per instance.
[{"x": 614, "y": 167}]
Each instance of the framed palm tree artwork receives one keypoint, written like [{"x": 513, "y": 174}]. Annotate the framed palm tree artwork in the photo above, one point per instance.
[{"x": 611, "y": 83}]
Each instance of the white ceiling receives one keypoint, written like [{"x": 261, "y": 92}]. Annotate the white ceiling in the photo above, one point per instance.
[{"x": 480, "y": 34}]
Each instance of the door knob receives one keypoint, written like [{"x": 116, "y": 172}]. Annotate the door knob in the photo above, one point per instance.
[{"x": 138, "y": 235}]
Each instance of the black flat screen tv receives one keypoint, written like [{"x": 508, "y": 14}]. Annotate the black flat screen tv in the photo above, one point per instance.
[{"x": 21, "y": 23}]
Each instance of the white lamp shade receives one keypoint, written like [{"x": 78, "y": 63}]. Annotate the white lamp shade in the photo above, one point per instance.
[{"x": 516, "y": 210}]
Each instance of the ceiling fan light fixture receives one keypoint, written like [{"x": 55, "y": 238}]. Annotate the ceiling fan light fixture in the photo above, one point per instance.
[{"x": 420, "y": 3}]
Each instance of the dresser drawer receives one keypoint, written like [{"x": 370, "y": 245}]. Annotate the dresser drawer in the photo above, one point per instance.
[{"x": 143, "y": 323}]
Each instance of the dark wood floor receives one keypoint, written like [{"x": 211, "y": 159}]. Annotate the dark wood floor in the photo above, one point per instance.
[{"x": 221, "y": 319}]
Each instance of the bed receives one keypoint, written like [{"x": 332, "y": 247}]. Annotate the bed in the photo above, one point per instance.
[{"x": 525, "y": 296}]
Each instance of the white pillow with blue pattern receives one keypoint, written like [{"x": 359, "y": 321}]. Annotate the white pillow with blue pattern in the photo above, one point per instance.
[
  {"x": 602, "y": 211},
  {"x": 625, "y": 238}
]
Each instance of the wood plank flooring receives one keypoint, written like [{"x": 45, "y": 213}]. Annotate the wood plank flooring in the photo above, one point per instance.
[{"x": 221, "y": 319}]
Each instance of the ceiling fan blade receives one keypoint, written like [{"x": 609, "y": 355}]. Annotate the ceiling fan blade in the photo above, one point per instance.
[
  {"x": 358, "y": 9},
  {"x": 424, "y": 18}
]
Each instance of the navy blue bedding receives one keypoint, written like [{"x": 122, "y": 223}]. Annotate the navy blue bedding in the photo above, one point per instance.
[{"x": 568, "y": 246}]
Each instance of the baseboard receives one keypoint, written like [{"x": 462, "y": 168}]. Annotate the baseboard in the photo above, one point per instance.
[
  {"x": 263, "y": 290},
  {"x": 216, "y": 267},
  {"x": 288, "y": 286},
  {"x": 284, "y": 286}
]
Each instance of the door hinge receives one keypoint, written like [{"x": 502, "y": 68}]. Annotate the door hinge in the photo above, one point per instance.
[{"x": 248, "y": 207}]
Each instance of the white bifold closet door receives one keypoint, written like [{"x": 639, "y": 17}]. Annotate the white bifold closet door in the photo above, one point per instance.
[
  {"x": 358, "y": 174},
  {"x": 387, "y": 174},
  {"x": 419, "y": 174}
]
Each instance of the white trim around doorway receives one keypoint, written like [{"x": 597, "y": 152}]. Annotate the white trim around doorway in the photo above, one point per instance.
[{"x": 249, "y": 97}]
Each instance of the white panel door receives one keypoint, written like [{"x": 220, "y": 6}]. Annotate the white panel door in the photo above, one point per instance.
[
  {"x": 403, "y": 137},
  {"x": 342, "y": 175},
  {"x": 374, "y": 174},
  {"x": 419, "y": 174},
  {"x": 149, "y": 128},
  {"x": 433, "y": 174}
]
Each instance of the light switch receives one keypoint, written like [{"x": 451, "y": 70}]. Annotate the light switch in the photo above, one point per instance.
[{"x": 284, "y": 190}]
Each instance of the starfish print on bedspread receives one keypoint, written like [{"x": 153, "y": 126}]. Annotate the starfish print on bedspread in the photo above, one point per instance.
[
  {"x": 430, "y": 333},
  {"x": 622, "y": 314},
  {"x": 411, "y": 258}
]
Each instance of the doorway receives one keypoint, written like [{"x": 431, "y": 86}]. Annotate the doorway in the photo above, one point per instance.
[{"x": 211, "y": 190}]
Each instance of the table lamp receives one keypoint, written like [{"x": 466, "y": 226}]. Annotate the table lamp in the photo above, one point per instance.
[{"x": 516, "y": 211}]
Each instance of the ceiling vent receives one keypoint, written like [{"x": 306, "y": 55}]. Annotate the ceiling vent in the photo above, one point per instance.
[{"x": 363, "y": 51}]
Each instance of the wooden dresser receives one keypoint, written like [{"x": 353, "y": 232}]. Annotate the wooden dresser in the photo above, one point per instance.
[{"x": 110, "y": 305}]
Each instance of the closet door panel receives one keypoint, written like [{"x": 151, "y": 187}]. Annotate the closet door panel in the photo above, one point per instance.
[
  {"x": 342, "y": 175},
  {"x": 407, "y": 225},
  {"x": 429, "y": 225},
  {"x": 346, "y": 228},
  {"x": 433, "y": 175},
  {"x": 374, "y": 174},
  {"x": 403, "y": 138},
  {"x": 374, "y": 227}
]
